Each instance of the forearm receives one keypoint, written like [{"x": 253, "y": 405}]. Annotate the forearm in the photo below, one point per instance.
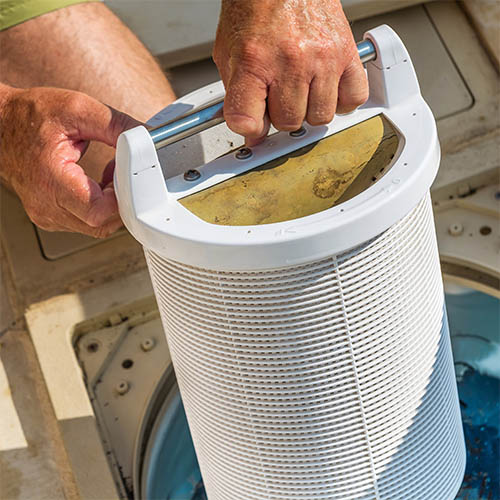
[
  {"x": 324, "y": 13},
  {"x": 89, "y": 50},
  {"x": 56, "y": 71}
]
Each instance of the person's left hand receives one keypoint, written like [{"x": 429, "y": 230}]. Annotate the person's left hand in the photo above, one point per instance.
[{"x": 43, "y": 133}]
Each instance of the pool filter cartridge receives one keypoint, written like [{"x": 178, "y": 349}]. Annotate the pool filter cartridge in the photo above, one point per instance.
[{"x": 300, "y": 291}]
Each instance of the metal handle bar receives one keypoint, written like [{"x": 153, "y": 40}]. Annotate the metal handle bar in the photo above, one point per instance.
[{"x": 211, "y": 115}]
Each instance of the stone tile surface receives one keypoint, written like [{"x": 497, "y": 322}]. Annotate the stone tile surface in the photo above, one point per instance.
[
  {"x": 485, "y": 15},
  {"x": 33, "y": 466},
  {"x": 7, "y": 314}
]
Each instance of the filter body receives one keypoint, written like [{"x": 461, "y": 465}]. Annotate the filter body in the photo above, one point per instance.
[
  {"x": 327, "y": 380},
  {"x": 312, "y": 353}
]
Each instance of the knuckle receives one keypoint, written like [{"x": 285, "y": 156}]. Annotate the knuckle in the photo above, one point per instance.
[
  {"x": 320, "y": 117},
  {"x": 287, "y": 112},
  {"x": 292, "y": 53},
  {"x": 97, "y": 215},
  {"x": 328, "y": 50},
  {"x": 317, "y": 120},
  {"x": 102, "y": 232},
  {"x": 353, "y": 100},
  {"x": 99, "y": 233},
  {"x": 250, "y": 50},
  {"x": 38, "y": 219},
  {"x": 287, "y": 125},
  {"x": 252, "y": 57},
  {"x": 363, "y": 95},
  {"x": 94, "y": 219},
  {"x": 359, "y": 95},
  {"x": 287, "y": 122},
  {"x": 75, "y": 102}
]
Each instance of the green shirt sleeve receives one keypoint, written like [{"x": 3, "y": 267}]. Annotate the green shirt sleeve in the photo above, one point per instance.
[{"x": 14, "y": 12}]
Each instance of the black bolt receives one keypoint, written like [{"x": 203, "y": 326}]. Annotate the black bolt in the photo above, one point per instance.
[
  {"x": 192, "y": 175},
  {"x": 93, "y": 347},
  {"x": 298, "y": 133},
  {"x": 244, "y": 153}
]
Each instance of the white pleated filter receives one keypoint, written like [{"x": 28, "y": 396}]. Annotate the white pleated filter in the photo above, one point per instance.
[{"x": 328, "y": 380}]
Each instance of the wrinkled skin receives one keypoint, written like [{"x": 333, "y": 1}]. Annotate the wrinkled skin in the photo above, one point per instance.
[
  {"x": 297, "y": 57},
  {"x": 43, "y": 134},
  {"x": 280, "y": 60}
]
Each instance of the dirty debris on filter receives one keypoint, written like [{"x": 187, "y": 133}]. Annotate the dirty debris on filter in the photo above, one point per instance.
[{"x": 312, "y": 179}]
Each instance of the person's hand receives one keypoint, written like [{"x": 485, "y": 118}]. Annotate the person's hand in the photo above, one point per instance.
[
  {"x": 297, "y": 58},
  {"x": 43, "y": 134}
]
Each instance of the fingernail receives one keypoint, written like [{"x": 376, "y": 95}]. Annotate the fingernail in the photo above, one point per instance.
[
  {"x": 241, "y": 124},
  {"x": 251, "y": 142}
]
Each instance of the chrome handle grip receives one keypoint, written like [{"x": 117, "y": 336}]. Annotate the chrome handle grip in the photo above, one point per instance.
[{"x": 211, "y": 115}]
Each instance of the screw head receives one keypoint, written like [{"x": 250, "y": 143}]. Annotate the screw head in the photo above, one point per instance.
[
  {"x": 456, "y": 229},
  {"x": 147, "y": 344},
  {"x": 192, "y": 175},
  {"x": 93, "y": 346},
  {"x": 122, "y": 387},
  {"x": 298, "y": 133},
  {"x": 244, "y": 153}
]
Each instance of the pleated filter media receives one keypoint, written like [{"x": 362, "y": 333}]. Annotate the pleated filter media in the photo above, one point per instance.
[
  {"x": 333, "y": 379},
  {"x": 312, "y": 352}
]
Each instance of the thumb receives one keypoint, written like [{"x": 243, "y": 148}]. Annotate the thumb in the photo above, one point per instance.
[
  {"x": 107, "y": 175},
  {"x": 95, "y": 121},
  {"x": 254, "y": 140},
  {"x": 245, "y": 104}
]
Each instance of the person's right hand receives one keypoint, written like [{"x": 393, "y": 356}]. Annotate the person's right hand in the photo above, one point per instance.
[
  {"x": 286, "y": 62},
  {"x": 43, "y": 134}
]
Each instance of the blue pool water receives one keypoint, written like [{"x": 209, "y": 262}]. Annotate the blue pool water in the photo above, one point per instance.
[
  {"x": 173, "y": 473},
  {"x": 474, "y": 318},
  {"x": 475, "y": 331}
]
